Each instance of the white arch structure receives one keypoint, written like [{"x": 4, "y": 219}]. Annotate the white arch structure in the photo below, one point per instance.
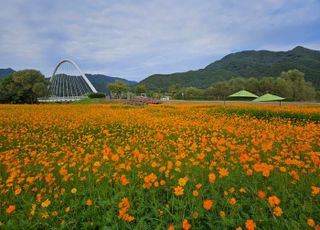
[{"x": 77, "y": 67}]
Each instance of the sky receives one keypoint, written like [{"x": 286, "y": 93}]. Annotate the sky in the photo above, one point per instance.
[{"x": 134, "y": 39}]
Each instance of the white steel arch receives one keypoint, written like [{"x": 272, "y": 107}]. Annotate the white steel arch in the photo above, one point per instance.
[{"x": 77, "y": 67}]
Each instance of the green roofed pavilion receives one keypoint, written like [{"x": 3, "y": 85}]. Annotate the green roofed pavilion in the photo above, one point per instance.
[
  {"x": 243, "y": 94},
  {"x": 268, "y": 97}
]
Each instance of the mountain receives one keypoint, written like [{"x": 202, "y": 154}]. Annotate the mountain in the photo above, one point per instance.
[
  {"x": 245, "y": 64},
  {"x": 5, "y": 72},
  {"x": 100, "y": 81}
]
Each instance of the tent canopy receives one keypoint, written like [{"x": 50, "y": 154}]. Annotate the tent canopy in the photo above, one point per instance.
[
  {"x": 243, "y": 94},
  {"x": 269, "y": 97}
]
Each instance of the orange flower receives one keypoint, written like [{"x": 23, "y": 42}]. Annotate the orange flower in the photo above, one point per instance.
[
  {"x": 250, "y": 224},
  {"x": 232, "y": 201},
  {"x": 186, "y": 225},
  {"x": 124, "y": 180},
  {"x": 10, "y": 209},
  {"x": 162, "y": 182},
  {"x": 277, "y": 211},
  {"x": 171, "y": 227},
  {"x": 273, "y": 200},
  {"x": 89, "y": 202},
  {"x": 17, "y": 191},
  {"x": 315, "y": 190},
  {"x": 223, "y": 172},
  {"x": 311, "y": 222},
  {"x": 207, "y": 204},
  {"x": 212, "y": 177},
  {"x": 262, "y": 194},
  {"x": 222, "y": 213},
  {"x": 178, "y": 191},
  {"x": 195, "y": 193},
  {"x": 54, "y": 213}
]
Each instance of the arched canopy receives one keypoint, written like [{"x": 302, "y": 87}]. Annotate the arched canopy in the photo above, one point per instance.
[{"x": 79, "y": 70}]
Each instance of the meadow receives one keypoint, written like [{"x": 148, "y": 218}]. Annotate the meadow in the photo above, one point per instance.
[{"x": 189, "y": 166}]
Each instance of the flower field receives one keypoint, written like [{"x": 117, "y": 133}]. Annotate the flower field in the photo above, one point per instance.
[{"x": 188, "y": 166}]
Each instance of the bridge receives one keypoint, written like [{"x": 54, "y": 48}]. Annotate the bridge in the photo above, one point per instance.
[{"x": 68, "y": 83}]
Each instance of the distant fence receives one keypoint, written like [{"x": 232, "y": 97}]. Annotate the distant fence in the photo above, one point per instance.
[{"x": 138, "y": 101}]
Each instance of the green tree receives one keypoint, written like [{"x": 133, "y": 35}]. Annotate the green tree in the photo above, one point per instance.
[
  {"x": 301, "y": 90},
  {"x": 24, "y": 86},
  {"x": 139, "y": 89},
  {"x": 118, "y": 88}
]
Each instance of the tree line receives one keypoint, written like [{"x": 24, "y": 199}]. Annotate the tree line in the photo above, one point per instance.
[
  {"x": 290, "y": 85},
  {"x": 26, "y": 86}
]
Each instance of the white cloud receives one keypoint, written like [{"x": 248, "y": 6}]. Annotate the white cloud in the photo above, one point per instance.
[{"x": 134, "y": 39}]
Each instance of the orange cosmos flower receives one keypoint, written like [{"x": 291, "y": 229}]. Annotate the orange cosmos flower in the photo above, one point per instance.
[
  {"x": 273, "y": 200},
  {"x": 311, "y": 222},
  {"x": 222, "y": 213},
  {"x": 277, "y": 211},
  {"x": 186, "y": 225},
  {"x": 17, "y": 191},
  {"x": 223, "y": 172},
  {"x": 10, "y": 209},
  {"x": 207, "y": 204},
  {"x": 162, "y": 182},
  {"x": 212, "y": 177},
  {"x": 89, "y": 202},
  {"x": 195, "y": 193},
  {"x": 315, "y": 190},
  {"x": 250, "y": 224},
  {"x": 232, "y": 201},
  {"x": 171, "y": 227},
  {"x": 54, "y": 213},
  {"x": 261, "y": 194},
  {"x": 178, "y": 191}
]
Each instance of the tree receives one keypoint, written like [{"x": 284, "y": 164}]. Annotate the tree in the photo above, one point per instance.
[
  {"x": 118, "y": 88},
  {"x": 301, "y": 90},
  {"x": 24, "y": 86},
  {"x": 139, "y": 89}
]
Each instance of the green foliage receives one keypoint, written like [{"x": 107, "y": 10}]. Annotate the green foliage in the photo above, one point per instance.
[
  {"x": 96, "y": 95},
  {"x": 290, "y": 85},
  {"x": 118, "y": 88},
  {"x": 244, "y": 64},
  {"x": 139, "y": 89},
  {"x": 268, "y": 114},
  {"x": 23, "y": 86}
]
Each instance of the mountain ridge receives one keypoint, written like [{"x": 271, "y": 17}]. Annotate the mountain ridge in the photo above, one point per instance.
[{"x": 248, "y": 63}]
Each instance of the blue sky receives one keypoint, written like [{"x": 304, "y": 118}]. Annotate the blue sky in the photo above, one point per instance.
[{"x": 136, "y": 38}]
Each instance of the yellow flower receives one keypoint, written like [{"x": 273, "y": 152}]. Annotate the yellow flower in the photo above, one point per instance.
[
  {"x": 44, "y": 215},
  {"x": 74, "y": 190},
  {"x": 46, "y": 203},
  {"x": 183, "y": 181}
]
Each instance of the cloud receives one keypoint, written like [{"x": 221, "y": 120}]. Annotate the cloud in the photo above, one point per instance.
[{"x": 134, "y": 39}]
